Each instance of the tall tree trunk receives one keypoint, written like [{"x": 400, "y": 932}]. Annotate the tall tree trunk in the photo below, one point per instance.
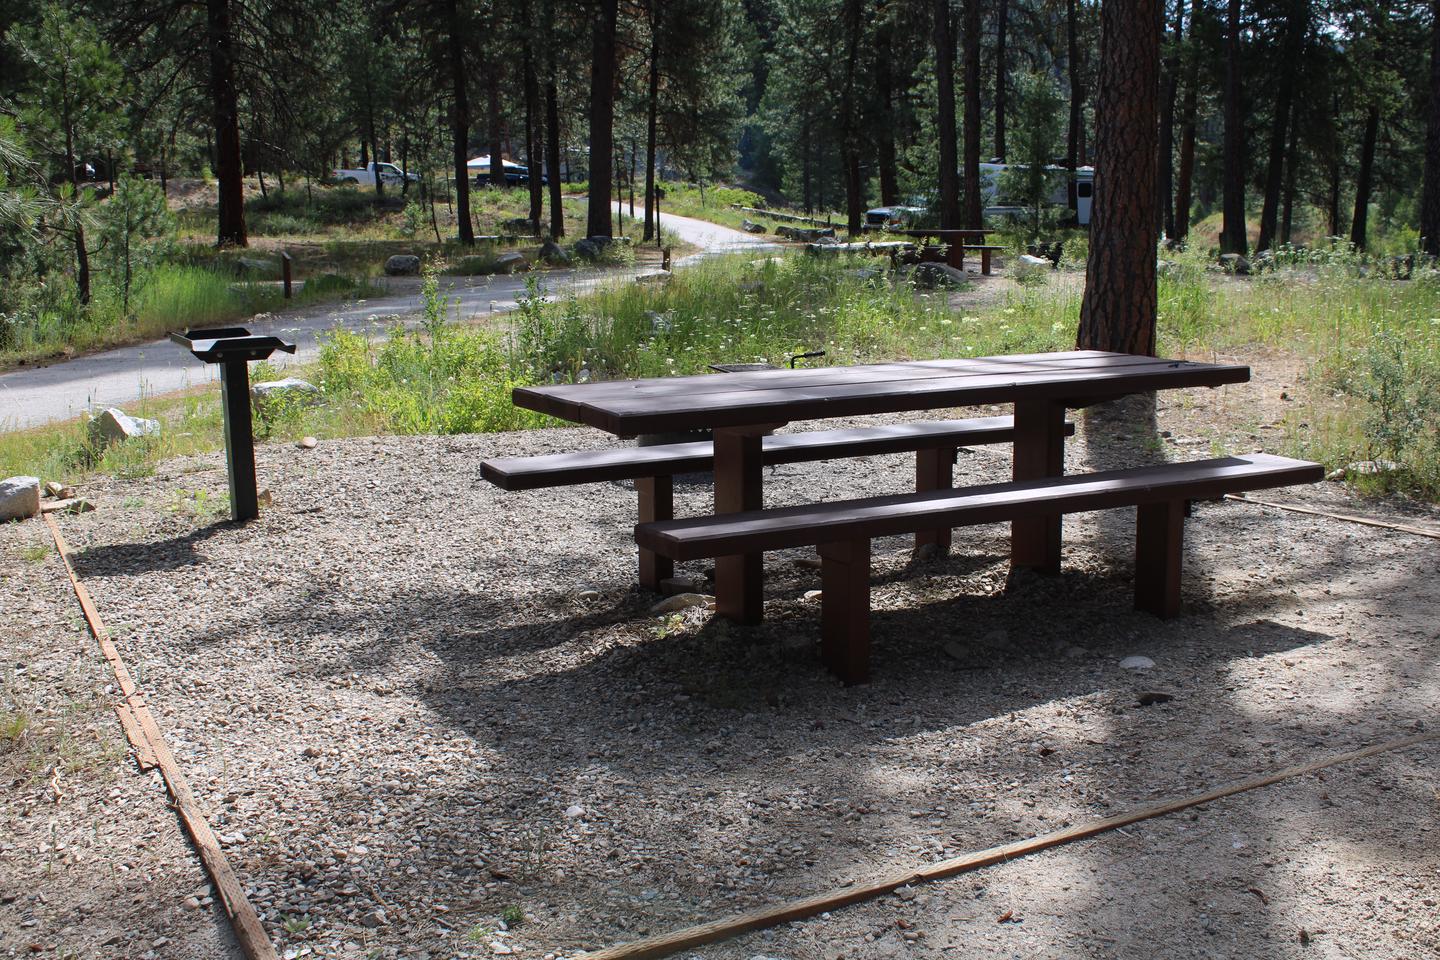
[
  {"x": 1430, "y": 196},
  {"x": 533, "y": 174},
  {"x": 885, "y": 133},
  {"x": 805, "y": 172},
  {"x": 974, "y": 219},
  {"x": 1186, "y": 174},
  {"x": 1363, "y": 180},
  {"x": 1074, "y": 146},
  {"x": 496, "y": 130},
  {"x": 460, "y": 125},
  {"x": 552, "y": 156},
  {"x": 82, "y": 255},
  {"x": 1295, "y": 28},
  {"x": 1002, "y": 77},
  {"x": 602, "y": 118},
  {"x": 850, "y": 110},
  {"x": 652, "y": 106},
  {"x": 945, "y": 117},
  {"x": 229, "y": 170},
  {"x": 1292, "y": 161},
  {"x": 1168, "y": 84},
  {"x": 1233, "y": 237},
  {"x": 1119, "y": 307}
]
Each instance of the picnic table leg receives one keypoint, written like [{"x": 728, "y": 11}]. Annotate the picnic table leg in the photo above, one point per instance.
[
  {"x": 739, "y": 580},
  {"x": 845, "y": 609},
  {"x": 934, "y": 470},
  {"x": 1039, "y": 452},
  {"x": 985, "y": 262},
  {"x": 955, "y": 255},
  {"x": 657, "y": 502},
  {"x": 1159, "y": 540}
]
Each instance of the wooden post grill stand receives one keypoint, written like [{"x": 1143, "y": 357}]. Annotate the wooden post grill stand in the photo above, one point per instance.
[{"x": 233, "y": 348}]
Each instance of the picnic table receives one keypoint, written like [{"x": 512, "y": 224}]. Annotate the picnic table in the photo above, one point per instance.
[
  {"x": 742, "y": 408},
  {"x": 957, "y": 241}
]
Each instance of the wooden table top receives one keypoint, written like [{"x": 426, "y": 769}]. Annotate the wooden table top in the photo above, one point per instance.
[{"x": 627, "y": 408}]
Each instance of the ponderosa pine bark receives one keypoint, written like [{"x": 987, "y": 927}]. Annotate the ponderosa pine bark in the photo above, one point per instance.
[
  {"x": 602, "y": 119},
  {"x": 1184, "y": 178},
  {"x": 552, "y": 156},
  {"x": 652, "y": 108},
  {"x": 885, "y": 135},
  {"x": 945, "y": 117},
  {"x": 1430, "y": 196},
  {"x": 533, "y": 173},
  {"x": 1365, "y": 178},
  {"x": 1002, "y": 77},
  {"x": 1074, "y": 134},
  {"x": 1297, "y": 23},
  {"x": 494, "y": 76},
  {"x": 460, "y": 125},
  {"x": 1168, "y": 85},
  {"x": 974, "y": 218},
  {"x": 1233, "y": 235},
  {"x": 1118, "y": 311},
  {"x": 225, "y": 107}
]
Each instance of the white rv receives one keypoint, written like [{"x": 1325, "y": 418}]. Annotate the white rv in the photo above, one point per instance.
[{"x": 997, "y": 205}]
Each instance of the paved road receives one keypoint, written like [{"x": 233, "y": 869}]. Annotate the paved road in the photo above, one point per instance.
[{"x": 120, "y": 377}]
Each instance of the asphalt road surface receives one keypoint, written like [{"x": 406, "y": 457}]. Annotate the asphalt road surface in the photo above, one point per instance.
[{"x": 118, "y": 378}]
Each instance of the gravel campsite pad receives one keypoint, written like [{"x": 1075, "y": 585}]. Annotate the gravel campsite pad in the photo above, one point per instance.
[{"x": 429, "y": 718}]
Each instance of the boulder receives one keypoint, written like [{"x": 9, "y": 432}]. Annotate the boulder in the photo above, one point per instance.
[
  {"x": 251, "y": 268},
  {"x": 587, "y": 249},
  {"x": 19, "y": 498},
  {"x": 291, "y": 389},
  {"x": 1235, "y": 263},
  {"x": 1033, "y": 261},
  {"x": 511, "y": 263},
  {"x": 750, "y": 226},
  {"x": 114, "y": 425},
  {"x": 402, "y": 265},
  {"x": 517, "y": 223},
  {"x": 552, "y": 252},
  {"x": 933, "y": 276}
]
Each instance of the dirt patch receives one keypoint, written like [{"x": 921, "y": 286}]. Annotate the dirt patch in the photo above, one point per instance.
[{"x": 420, "y": 708}]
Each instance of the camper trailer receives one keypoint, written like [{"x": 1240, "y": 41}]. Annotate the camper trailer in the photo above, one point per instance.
[{"x": 997, "y": 205}]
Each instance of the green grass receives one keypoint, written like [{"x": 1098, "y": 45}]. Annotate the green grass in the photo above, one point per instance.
[{"x": 1369, "y": 352}]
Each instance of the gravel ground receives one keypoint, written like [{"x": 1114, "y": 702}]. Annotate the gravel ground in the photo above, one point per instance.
[{"x": 433, "y": 719}]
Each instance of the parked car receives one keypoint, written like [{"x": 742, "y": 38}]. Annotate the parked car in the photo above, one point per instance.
[
  {"x": 897, "y": 217},
  {"x": 365, "y": 177},
  {"x": 516, "y": 174}
]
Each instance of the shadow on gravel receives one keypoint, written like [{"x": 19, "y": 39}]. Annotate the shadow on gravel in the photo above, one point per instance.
[{"x": 129, "y": 560}]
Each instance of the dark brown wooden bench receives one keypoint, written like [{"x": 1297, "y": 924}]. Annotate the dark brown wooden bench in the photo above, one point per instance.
[
  {"x": 986, "y": 249},
  {"x": 653, "y": 469},
  {"x": 843, "y": 531}
]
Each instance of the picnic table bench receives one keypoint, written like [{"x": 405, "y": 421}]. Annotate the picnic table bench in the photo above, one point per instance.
[
  {"x": 956, "y": 243},
  {"x": 742, "y": 409}
]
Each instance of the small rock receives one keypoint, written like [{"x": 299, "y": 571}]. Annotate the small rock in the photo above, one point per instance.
[
  {"x": 750, "y": 226},
  {"x": 672, "y": 586},
  {"x": 1137, "y": 663},
  {"x": 957, "y": 651},
  {"x": 114, "y": 424},
  {"x": 511, "y": 263},
  {"x": 311, "y": 752},
  {"x": 402, "y": 265},
  {"x": 1235, "y": 263},
  {"x": 683, "y": 601},
  {"x": 812, "y": 594},
  {"x": 587, "y": 595},
  {"x": 373, "y": 919},
  {"x": 19, "y": 498},
  {"x": 59, "y": 491},
  {"x": 499, "y": 948},
  {"x": 1148, "y": 698},
  {"x": 808, "y": 563},
  {"x": 307, "y": 443},
  {"x": 932, "y": 276},
  {"x": 1030, "y": 261},
  {"x": 573, "y": 811},
  {"x": 190, "y": 903}
]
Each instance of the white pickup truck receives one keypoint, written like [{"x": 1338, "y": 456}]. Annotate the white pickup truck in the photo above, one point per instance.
[{"x": 389, "y": 174}]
